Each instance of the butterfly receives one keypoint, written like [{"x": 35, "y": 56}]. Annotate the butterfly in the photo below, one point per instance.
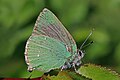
[{"x": 51, "y": 46}]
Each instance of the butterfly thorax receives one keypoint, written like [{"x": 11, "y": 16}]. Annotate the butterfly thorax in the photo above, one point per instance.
[{"x": 75, "y": 59}]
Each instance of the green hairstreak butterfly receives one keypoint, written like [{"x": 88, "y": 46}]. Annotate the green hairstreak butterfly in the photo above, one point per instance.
[{"x": 51, "y": 46}]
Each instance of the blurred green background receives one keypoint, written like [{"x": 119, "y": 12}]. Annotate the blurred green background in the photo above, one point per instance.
[{"x": 17, "y": 19}]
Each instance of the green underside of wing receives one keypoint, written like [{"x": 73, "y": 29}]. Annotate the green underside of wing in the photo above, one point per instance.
[
  {"x": 45, "y": 53},
  {"x": 48, "y": 24}
]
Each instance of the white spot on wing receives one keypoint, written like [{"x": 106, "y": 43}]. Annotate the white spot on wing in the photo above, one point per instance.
[
  {"x": 35, "y": 24},
  {"x": 38, "y": 55},
  {"x": 45, "y": 38}
]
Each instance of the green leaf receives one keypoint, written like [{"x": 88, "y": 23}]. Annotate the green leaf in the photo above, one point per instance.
[
  {"x": 76, "y": 76},
  {"x": 97, "y": 72},
  {"x": 36, "y": 74},
  {"x": 62, "y": 75}
]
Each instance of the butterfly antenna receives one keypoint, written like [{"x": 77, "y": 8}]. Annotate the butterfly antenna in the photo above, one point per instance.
[
  {"x": 88, "y": 44},
  {"x": 86, "y": 39}
]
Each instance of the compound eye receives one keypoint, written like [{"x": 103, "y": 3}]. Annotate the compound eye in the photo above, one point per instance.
[{"x": 81, "y": 53}]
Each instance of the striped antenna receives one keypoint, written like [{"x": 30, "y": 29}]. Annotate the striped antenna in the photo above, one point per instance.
[{"x": 86, "y": 39}]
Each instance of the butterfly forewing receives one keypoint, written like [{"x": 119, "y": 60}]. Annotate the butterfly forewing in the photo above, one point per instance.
[{"x": 47, "y": 24}]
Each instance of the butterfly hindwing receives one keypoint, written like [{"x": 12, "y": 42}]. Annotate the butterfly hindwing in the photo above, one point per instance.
[{"x": 45, "y": 53}]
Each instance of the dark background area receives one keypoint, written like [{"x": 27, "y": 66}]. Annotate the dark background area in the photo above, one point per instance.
[{"x": 17, "y": 19}]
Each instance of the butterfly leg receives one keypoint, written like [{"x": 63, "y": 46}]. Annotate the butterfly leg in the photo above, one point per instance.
[
  {"x": 73, "y": 64},
  {"x": 66, "y": 65}
]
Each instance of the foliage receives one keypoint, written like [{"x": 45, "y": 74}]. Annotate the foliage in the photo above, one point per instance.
[
  {"x": 85, "y": 72},
  {"x": 17, "y": 19},
  {"x": 98, "y": 73}
]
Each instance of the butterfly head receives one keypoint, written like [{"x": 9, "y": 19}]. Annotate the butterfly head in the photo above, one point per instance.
[{"x": 80, "y": 53}]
